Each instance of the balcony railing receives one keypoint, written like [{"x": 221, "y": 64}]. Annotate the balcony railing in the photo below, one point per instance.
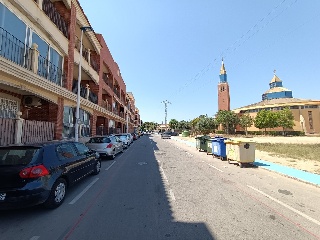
[
  {"x": 84, "y": 92},
  {"x": 94, "y": 65},
  {"x": 116, "y": 91},
  {"x": 106, "y": 106},
  {"x": 55, "y": 17},
  {"x": 49, "y": 71},
  {"x": 16, "y": 51},
  {"x": 106, "y": 79},
  {"x": 86, "y": 54}
]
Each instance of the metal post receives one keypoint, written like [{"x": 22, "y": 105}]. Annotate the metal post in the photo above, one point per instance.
[
  {"x": 166, "y": 102},
  {"x": 76, "y": 130}
]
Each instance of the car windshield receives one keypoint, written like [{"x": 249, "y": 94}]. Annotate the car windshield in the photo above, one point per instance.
[
  {"x": 17, "y": 156},
  {"x": 100, "y": 140},
  {"x": 122, "y": 137}
]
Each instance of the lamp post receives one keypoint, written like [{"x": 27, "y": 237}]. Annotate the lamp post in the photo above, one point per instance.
[
  {"x": 166, "y": 102},
  {"x": 76, "y": 132}
]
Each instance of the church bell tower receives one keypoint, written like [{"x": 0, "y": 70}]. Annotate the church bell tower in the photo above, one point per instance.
[{"x": 223, "y": 90}]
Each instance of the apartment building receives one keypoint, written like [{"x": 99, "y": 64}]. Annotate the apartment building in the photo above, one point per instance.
[{"x": 40, "y": 45}]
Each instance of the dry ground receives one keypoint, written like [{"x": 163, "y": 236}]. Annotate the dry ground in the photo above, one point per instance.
[{"x": 305, "y": 165}]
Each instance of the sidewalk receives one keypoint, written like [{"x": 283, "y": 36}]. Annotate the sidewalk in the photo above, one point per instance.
[{"x": 288, "y": 171}]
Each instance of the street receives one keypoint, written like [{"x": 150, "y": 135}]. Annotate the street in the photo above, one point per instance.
[{"x": 164, "y": 189}]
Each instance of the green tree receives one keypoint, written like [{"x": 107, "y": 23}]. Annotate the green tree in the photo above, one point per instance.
[
  {"x": 266, "y": 119},
  {"x": 148, "y": 126},
  {"x": 245, "y": 121},
  {"x": 173, "y": 124},
  {"x": 228, "y": 119},
  {"x": 285, "y": 119},
  {"x": 206, "y": 125},
  {"x": 184, "y": 125}
]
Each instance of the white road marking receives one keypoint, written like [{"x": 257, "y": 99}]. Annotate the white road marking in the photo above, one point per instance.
[
  {"x": 163, "y": 174},
  {"x": 172, "y": 195},
  {"x": 110, "y": 166},
  {"x": 35, "y": 238},
  {"x": 215, "y": 167},
  {"x": 83, "y": 191},
  {"x": 287, "y": 206}
]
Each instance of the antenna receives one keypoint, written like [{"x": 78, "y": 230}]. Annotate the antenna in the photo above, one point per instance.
[{"x": 166, "y": 102}]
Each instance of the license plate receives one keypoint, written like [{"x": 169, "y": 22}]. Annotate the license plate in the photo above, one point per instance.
[{"x": 3, "y": 196}]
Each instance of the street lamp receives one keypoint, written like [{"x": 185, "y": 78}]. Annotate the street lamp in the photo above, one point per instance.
[
  {"x": 166, "y": 102},
  {"x": 76, "y": 137}
]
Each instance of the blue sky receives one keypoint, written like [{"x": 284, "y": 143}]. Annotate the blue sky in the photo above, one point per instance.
[{"x": 172, "y": 49}]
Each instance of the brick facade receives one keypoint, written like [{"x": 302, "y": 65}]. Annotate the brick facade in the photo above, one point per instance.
[
  {"x": 69, "y": 60},
  {"x": 223, "y": 97}
]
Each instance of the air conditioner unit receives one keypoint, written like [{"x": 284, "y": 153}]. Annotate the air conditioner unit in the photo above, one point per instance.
[{"x": 31, "y": 101}]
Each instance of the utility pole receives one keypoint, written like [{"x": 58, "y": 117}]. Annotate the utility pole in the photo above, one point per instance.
[{"x": 166, "y": 102}]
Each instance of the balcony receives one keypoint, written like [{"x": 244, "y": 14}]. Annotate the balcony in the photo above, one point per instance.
[
  {"x": 86, "y": 54},
  {"x": 17, "y": 52},
  {"x": 106, "y": 106},
  {"x": 106, "y": 79},
  {"x": 116, "y": 91},
  {"x": 84, "y": 92},
  {"x": 55, "y": 17}
]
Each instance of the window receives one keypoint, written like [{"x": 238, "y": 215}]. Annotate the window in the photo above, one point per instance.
[
  {"x": 311, "y": 106},
  {"x": 8, "y": 108},
  {"x": 100, "y": 140},
  {"x": 294, "y": 107},
  {"x": 310, "y": 120},
  {"x": 66, "y": 151},
  {"x": 82, "y": 149}
]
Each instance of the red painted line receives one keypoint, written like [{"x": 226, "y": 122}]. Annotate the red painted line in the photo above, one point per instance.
[{"x": 93, "y": 201}]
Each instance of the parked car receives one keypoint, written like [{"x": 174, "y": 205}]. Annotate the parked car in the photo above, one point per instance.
[
  {"x": 41, "y": 173},
  {"x": 106, "y": 146},
  {"x": 135, "y": 136},
  {"x": 130, "y": 137},
  {"x": 165, "y": 135},
  {"x": 126, "y": 140}
]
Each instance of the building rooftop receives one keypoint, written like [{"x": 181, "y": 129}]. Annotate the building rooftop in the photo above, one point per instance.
[
  {"x": 275, "y": 79},
  {"x": 277, "y": 89},
  {"x": 278, "y": 102}
]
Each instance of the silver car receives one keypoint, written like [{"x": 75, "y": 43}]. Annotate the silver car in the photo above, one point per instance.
[
  {"x": 106, "y": 146},
  {"x": 125, "y": 139}
]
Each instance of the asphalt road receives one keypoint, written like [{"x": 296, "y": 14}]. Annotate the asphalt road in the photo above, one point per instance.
[{"x": 164, "y": 189}]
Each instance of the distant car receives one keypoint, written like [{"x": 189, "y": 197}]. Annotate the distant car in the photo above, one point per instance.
[
  {"x": 41, "y": 173},
  {"x": 174, "y": 134},
  {"x": 135, "y": 136},
  {"x": 166, "y": 135},
  {"x": 130, "y": 137},
  {"x": 107, "y": 146},
  {"x": 126, "y": 140}
]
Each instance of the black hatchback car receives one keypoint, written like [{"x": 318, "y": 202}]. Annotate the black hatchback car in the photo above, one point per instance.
[{"x": 41, "y": 173}]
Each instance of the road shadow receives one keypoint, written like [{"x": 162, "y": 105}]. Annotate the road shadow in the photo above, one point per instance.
[
  {"x": 176, "y": 229},
  {"x": 132, "y": 202}
]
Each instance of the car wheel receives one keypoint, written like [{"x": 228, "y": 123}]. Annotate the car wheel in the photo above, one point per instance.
[
  {"x": 113, "y": 155},
  {"x": 57, "y": 194},
  {"x": 97, "y": 168}
]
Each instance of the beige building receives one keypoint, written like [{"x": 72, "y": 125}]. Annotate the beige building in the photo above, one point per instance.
[{"x": 306, "y": 112}]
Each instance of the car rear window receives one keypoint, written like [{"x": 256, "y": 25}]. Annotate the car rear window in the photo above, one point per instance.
[
  {"x": 17, "y": 156},
  {"x": 122, "y": 136},
  {"x": 100, "y": 140}
]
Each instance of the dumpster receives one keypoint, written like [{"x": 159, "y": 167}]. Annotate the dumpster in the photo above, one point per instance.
[
  {"x": 242, "y": 152},
  {"x": 210, "y": 145},
  {"x": 201, "y": 143},
  {"x": 219, "y": 148}
]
